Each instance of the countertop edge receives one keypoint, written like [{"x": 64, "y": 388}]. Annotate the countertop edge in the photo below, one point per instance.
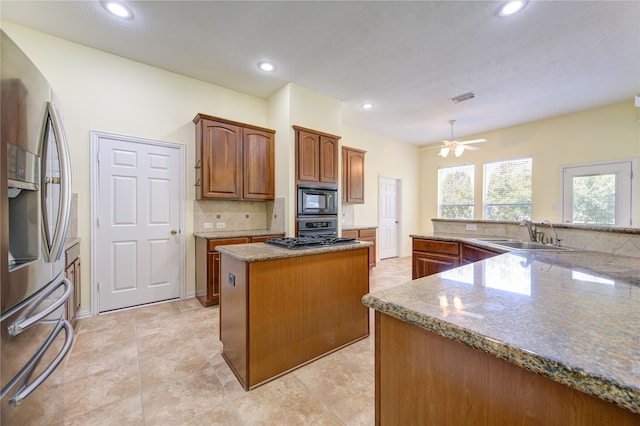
[
  {"x": 600, "y": 387},
  {"x": 251, "y": 252},
  {"x": 212, "y": 235}
]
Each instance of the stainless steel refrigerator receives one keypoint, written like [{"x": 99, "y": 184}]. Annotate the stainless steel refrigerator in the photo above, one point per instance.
[{"x": 35, "y": 190}]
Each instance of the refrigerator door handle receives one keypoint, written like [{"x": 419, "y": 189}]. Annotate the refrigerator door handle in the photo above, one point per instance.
[
  {"x": 24, "y": 323},
  {"x": 26, "y": 390},
  {"x": 54, "y": 247}
]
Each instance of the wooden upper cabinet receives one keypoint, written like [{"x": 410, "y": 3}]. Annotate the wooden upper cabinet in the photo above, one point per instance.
[
  {"x": 234, "y": 161},
  {"x": 328, "y": 159},
  {"x": 259, "y": 164},
  {"x": 317, "y": 157},
  {"x": 221, "y": 163},
  {"x": 353, "y": 175},
  {"x": 308, "y": 156}
]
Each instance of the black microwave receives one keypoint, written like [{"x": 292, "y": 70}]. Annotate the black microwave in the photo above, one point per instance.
[{"x": 317, "y": 201}]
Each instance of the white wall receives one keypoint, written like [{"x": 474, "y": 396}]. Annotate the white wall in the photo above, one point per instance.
[{"x": 598, "y": 134}]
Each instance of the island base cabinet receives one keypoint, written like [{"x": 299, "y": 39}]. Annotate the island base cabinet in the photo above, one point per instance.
[
  {"x": 280, "y": 314},
  {"x": 425, "y": 379}
]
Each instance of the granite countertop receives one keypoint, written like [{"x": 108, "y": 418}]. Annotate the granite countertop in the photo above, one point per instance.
[
  {"x": 357, "y": 227},
  {"x": 260, "y": 252},
  {"x": 572, "y": 317},
  {"x": 70, "y": 242},
  {"x": 234, "y": 234}
]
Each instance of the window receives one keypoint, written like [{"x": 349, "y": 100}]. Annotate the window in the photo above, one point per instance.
[
  {"x": 599, "y": 193},
  {"x": 455, "y": 192},
  {"x": 507, "y": 190}
]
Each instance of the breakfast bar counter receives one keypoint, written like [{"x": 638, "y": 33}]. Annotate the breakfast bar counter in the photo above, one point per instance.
[
  {"x": 516, "y": 338},
  {"x": 282, "y": 308}
]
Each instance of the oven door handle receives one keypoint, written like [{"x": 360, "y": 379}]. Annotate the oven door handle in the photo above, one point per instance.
[
  {"x": 26, "y": 390},
  {"x": 24, "y": 323}
]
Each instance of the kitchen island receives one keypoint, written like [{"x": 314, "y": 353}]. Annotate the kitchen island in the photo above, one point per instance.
[
  {"x": 281, "y": 309},
  {"x": 519, "y": 338}
]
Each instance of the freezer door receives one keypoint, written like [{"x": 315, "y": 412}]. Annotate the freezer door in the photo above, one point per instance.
[{"x": 35, "y": 338}]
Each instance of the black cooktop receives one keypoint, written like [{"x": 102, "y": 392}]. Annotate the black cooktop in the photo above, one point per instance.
[{"x": 308, "y": 242}]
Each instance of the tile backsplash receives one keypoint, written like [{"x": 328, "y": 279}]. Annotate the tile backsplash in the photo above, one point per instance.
[{"x": 209, "y": 215}]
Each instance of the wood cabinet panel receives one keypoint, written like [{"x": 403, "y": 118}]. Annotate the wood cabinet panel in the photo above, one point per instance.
[
  {"x": 258, "y": 165},
  {"x": 308, "y": 156},
  {"x": 471, "y": 254},
  {"x": 427, "y": 264},
  {"x": 221, "y": 160},
  {"x": 433, "y": 256},
  {"x": 208, "y": 265},
  {"x": 353, "y": 175},
  {"x": 364, "y": 235},
  {"x": 299, "y": 309},
  {"x": 316, "y": 157},
  {"x": 73, "y": 273},
  {"x": 423, "y": 378},
  {"x": 234, "y": 161},
  {"x": 328, "y": 159}
]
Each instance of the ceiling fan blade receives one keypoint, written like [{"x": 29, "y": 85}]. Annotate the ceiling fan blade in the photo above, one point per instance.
[
  {"x": 472, "y": 141},
  {"x": 471, "y": 148}
]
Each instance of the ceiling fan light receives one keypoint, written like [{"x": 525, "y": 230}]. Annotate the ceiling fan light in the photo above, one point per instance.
[
  {"x": 444, "y": 151},
  {"x": 459, "y": 149}
]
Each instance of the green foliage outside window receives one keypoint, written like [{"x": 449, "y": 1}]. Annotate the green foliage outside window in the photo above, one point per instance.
[
  {"x": 455, "y": 186},
  {"x": 594, "y": 199},
  {"x": 507, "y": 190}
]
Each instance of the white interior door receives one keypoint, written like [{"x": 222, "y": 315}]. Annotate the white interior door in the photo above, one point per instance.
[
  {"x": 138, "y": 221},
  {"x": 389, "y": 189}
]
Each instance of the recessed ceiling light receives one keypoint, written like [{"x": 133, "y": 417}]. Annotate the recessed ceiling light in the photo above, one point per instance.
[
  {"x": 511, "y": 7},
  {"x": 267, "y": 66},
  {"x": 119, "y": 9},
  {"x": 366, "y": 105}
]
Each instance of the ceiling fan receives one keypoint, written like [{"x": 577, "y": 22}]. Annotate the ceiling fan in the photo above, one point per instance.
[{"x": 457, "y": 146}]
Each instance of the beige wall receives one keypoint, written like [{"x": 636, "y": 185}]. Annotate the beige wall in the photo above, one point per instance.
[
  {"x": 103, "y": 92},
  {"x": 391, "y": 158},
  {"x": 598, "y": 134}
]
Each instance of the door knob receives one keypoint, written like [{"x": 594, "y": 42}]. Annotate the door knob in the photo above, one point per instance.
[{"x": 174, "y": 232}]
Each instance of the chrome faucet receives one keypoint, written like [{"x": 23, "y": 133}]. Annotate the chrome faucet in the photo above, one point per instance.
[
  {"x": 531, "y": 228},
  {"x": 556, "y": 241}
]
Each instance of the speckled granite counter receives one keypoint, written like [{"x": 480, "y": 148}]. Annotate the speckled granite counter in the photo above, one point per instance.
[
  {"x": 234, "y": 234},
  {"x": 544, "y": 312},
  {"x": 260, "y": 252},
  {"x": 357, "y": 227}
]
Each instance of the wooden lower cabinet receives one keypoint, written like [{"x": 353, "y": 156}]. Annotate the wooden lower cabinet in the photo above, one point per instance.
[
  {"x": 277, "y": 315},
  {"x": 422, "y": 378},
  {"x": 471, "y": 254},
  {"x": 72, "y": 273},
  {"x": 369, "y": 235},
  {"x": 433, "y": 256},
  {"x": 208, "y": 265}
]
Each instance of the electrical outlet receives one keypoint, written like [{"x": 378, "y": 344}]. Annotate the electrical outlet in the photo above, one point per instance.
[
  {"x": 208, "y": 225},
  {"x": 472, "y": 227},
  {"x": 220, "y": 225}
]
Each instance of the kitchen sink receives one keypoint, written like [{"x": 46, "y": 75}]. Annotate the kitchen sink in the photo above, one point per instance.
[
  {"x": 498, "y": 240},
  {"x": 527, "y": 245},
  {"x": 514, "y": 244}
]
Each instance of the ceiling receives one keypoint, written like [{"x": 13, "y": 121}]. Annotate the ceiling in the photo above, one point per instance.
[{"x": 407, "y": 58}]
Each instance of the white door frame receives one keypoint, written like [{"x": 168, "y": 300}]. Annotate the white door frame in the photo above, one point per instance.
[
  {"x": 398, "y": 210},
  {"x": 95, "y": 196}
]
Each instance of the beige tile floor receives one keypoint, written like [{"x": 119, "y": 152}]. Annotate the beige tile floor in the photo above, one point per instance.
[{"x": 161, "y": 365}]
